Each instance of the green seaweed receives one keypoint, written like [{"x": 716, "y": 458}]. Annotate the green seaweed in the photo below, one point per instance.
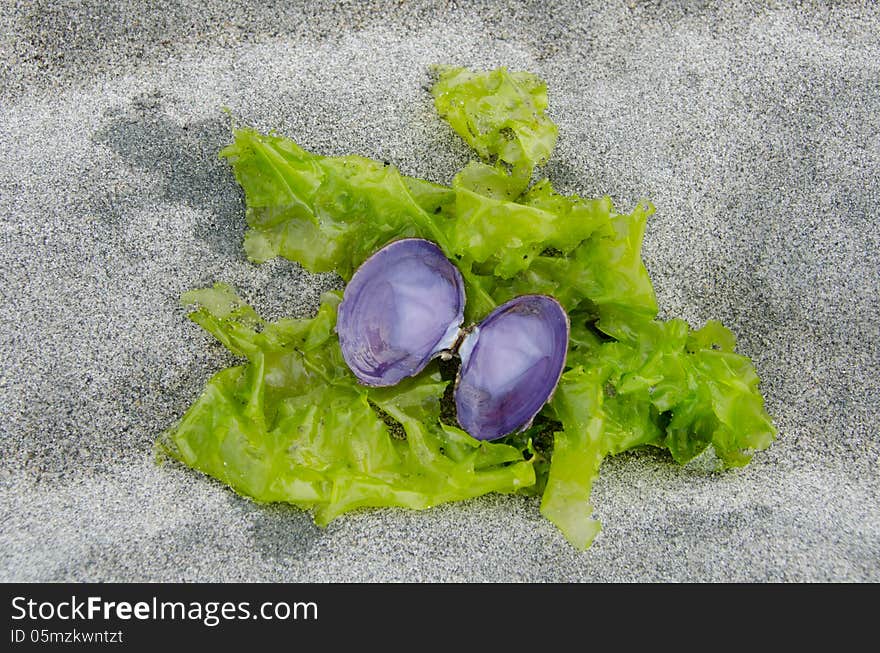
[{"x": 291, "y": 423}]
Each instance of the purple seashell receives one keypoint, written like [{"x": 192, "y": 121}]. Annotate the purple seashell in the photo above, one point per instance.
[
  {"x": 510, "y": 366},
  {"x": 403, "y": 306}
]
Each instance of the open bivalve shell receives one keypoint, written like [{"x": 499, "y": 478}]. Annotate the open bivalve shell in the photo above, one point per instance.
[
  {"x": 510, "y": 365},
  {"x": 405, "y": 305}
]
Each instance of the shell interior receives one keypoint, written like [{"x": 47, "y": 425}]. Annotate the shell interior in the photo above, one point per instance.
[
  {"x": 510, "y": 366},
  {"x": 403, "y": 306}
]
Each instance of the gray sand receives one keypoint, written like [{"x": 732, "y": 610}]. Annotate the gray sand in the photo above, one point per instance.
[{"x": 754, "y": 132}]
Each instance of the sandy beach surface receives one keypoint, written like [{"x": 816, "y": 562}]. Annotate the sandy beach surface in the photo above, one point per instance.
[{"x": 754, "y": 131}]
